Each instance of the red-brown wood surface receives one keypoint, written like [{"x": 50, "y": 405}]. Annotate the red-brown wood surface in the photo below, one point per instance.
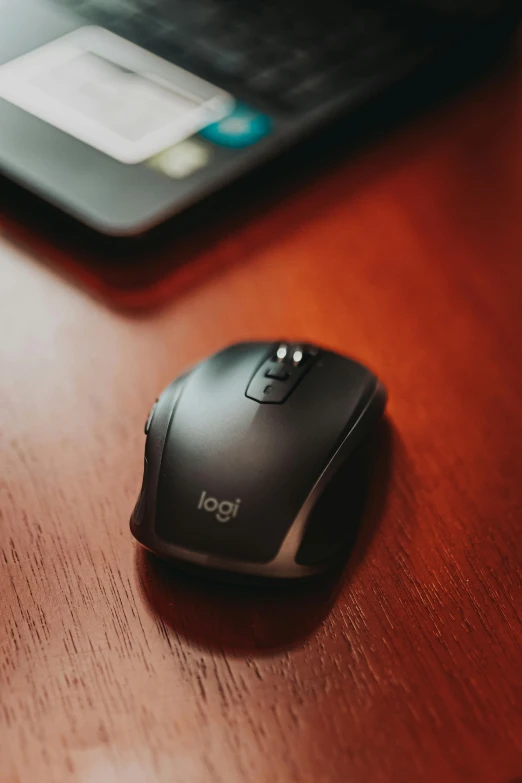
[{"x": 115, "y": 668}]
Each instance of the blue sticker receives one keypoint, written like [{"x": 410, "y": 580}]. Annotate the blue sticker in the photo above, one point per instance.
[{"x": 242, "y": 128}]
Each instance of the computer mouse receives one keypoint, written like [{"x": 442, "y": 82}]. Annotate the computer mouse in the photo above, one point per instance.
[{"x": 251, "y": 461}]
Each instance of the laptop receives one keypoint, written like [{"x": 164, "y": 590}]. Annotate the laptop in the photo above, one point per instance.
[{"x": 123, "y": 113}]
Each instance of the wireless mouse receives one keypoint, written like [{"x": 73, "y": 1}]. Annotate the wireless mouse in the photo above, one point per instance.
[{"x": 252, "y": 461}]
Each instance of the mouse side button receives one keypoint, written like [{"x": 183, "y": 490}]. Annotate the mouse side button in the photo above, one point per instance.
[
  {"x": 138, "y": 513},
  {"x": 142, "y": 518}
]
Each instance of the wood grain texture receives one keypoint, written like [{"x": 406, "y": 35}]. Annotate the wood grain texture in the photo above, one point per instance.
[{"x": 113, "y": 667}]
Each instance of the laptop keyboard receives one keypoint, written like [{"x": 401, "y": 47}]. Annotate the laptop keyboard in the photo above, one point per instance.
[{"x": 289, "y": 54}]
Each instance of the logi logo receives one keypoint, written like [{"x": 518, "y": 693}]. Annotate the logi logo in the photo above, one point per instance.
[{"x": 225, "y": 509}]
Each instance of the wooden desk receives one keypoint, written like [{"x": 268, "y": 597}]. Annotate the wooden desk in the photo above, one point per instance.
[{"x": 113, "y": 667}]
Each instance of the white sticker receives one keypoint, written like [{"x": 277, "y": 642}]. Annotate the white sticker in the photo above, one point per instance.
[{"x": 111, "y": 94}]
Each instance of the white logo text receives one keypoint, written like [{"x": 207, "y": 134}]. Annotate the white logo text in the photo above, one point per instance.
[{"x": 225, "y": 509}]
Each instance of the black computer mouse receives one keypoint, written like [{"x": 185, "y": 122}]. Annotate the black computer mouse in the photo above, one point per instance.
[{"x": 251, "y": 461}]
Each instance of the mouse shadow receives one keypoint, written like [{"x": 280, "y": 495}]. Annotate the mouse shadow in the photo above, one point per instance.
[{"x": 246, "y": 619}]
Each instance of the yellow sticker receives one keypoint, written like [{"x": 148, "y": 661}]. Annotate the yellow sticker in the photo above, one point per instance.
[{"x": 181, "y": 160}]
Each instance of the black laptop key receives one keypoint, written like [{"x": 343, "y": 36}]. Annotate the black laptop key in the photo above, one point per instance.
[
  {"x": 266, "y": 81},
  {"x": 226, "y": 59}
]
